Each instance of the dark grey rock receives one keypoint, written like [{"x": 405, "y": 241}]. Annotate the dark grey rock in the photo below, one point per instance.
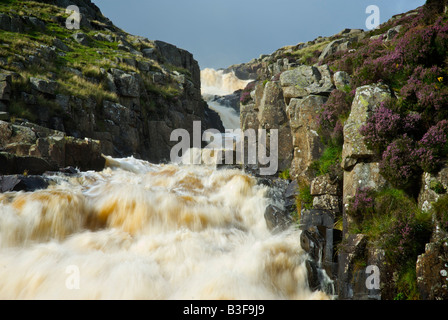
[
  {"x": 81, "y": 38},
  {"x": 44, "y": 86},
  {"x": 277, "y": 220},
  {"x": 22, "y": 183}
]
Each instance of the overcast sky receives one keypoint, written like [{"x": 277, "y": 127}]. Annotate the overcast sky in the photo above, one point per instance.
[{"x": 220, "y": 33}]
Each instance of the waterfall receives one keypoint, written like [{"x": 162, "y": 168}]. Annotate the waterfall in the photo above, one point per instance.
[
  {"x": 138, "y": 230},
  {"x": 217, "y": 83}
]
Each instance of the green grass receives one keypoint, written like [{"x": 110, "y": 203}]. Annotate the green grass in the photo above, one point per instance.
[
  {"x": 18, "y": 109},
  {"x": 331, "y": 157},
  {"x": 285, "y": 175},
  {"x": 304, "y": 198}
]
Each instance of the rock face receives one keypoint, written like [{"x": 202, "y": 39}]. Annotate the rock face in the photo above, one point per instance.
[
  {"x": 35, "y": 150},
  {"x": 432, "y": 271},
  {"x": 129, "y": 98},
  {"x": 363, "y": 175},
  {"x": 306, "y": 141},
  {"x": 432, "y": 187},
  {"x": 367, "y": 99},
  {"x": 307, "y": 80},
  {"x": 291, "y": 105}
]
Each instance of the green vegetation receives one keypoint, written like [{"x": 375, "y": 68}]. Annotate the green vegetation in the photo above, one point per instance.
[
  {"x": 329, "y": 162},
  {"x": 285, "y": 175},
  {"x": 304, "y": 199},
  {"x": 392, "y": 222},
  {"x": 81, "y": 70}
]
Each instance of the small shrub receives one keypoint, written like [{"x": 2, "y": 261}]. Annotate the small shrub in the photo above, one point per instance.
[
  {"x": 398, "y": 163},
  {"x": 433, "y": 147},
  {"x": 332, "y": 116},
  {"x": 362, "y": 204},
  {"x": 304, "y": 199},
  {"x": 245, "y": 94},
  {"x": 329, "y": 163},
  {"x": 285, "y": 175},
  {"x": 381, "y": 128},
  {"x": 437, "y": 187}
]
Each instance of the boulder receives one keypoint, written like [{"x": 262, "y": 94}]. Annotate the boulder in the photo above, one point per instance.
[
  {"x": 327, "y": 202},
  {"x": 22, "y": 183},
  {"x": 249, "y": 117},
  {"x": 392, "y": 32},
  {"x": 277, "y": 219},
  {"x": 150, "y": 53},
  {"x": 341, "y": 79},
  {"x": 367, "y": 99},
  {"x": 84, "y": 154},
  {"x": 323, "y": 185},
  {"x": 306, "y": 80},
  {"x": 44, "y": 86},
  {"x": 36, "y": 23},
  {"x": 12, "y": 164},
  {"x": 116, "y": 112},
  {"x": 180, "y": 58},
  {"x": 58, "y": 43},
  {"x": 127, "y": 84},
  {"x": 272, "y": 115},
  {"x": 5, "y": 22},
  {"x": 5, "y": 133},
  {"x": 4, "y": 116},
  {"x": 272, "y": 107},
  {"x": 331, "y": 49},
  {"x": 316, "y": 218}
]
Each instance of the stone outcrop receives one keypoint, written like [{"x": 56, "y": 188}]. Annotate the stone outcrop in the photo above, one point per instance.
[
  {"x": 432, "y": 271},
  {"x": 367, "y": 99},
  {"x": 36, "y": 150},
  {"x": 148, "y": 88},
  {"x": 306, "y": 141},
  {"x": 432, "y": 187}
]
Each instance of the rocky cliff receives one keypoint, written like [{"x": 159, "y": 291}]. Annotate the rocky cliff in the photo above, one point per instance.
[
  {"x": 97, "y": 85},
  {"x": 362, "y": 140}
]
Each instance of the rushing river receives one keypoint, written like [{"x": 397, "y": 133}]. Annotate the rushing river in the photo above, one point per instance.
[
  {"x": 138, "y": 230},
  {"x": 142, "y": 231}
]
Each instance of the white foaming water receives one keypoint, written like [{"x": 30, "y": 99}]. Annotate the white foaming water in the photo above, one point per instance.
[
  {"x": 143, "y": 231},
  {"x": 229, "y": 117},
  {"x": 216, "y": 82}
]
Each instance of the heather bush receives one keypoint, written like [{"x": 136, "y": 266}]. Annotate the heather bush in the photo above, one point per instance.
[
  {"x": 426, "y": 93},
  {"x": 433, "y": 147},
  {"x": 245, "y": 94},
  {"x": 362, "y": 205},
  {"x": 424, "y": 45},
  {"x": 332, "y": 115},
  {"x": 398, "y": 164},
  {"x": 381, "y": 128}
]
